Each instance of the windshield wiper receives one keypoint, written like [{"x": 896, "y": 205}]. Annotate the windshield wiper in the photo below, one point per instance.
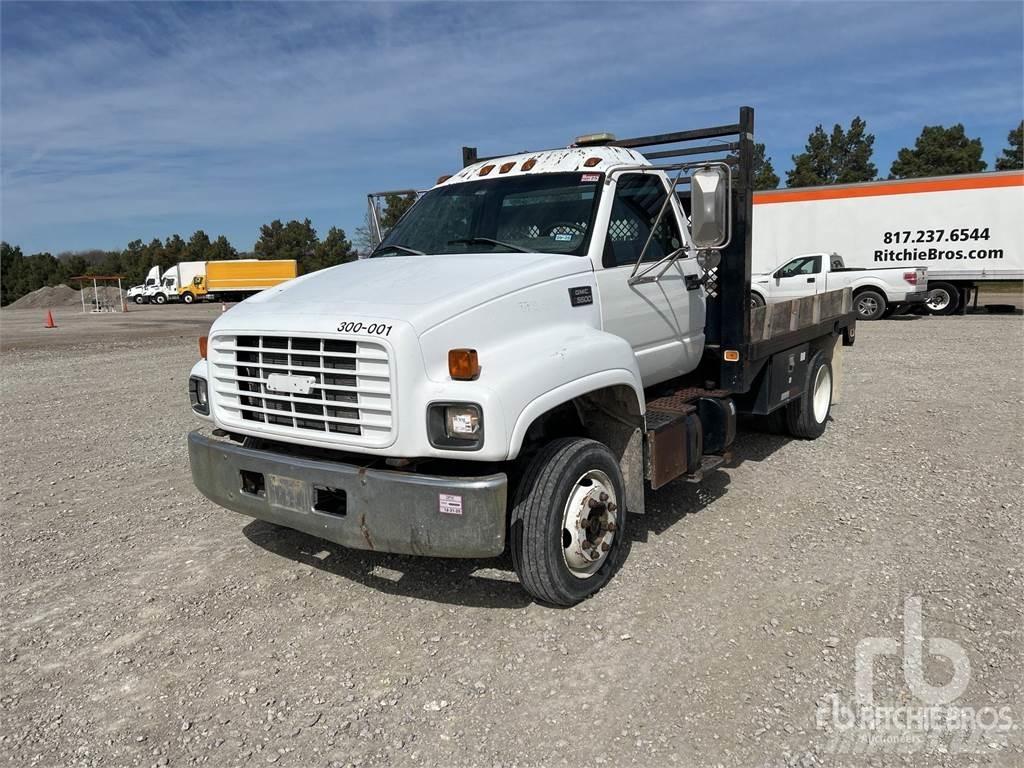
[
  {"x": 392, "y": 247},
  {"x": 488, "y": 240}
]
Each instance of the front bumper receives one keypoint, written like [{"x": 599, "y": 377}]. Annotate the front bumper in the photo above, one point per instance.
[
  {"x": 917, "y": 297},
  {"x": 384, "y": 510}
]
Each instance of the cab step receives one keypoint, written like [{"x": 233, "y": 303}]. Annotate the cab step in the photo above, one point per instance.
[{"x": 709, "y": 462}]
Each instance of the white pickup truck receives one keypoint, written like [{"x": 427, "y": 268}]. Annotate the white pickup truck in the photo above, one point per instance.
[
  {"x": 875, "y": 291},
  {"x": 538, "y": 339}
]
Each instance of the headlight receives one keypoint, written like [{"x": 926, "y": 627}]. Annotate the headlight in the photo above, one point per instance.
[
  {"x": 455, "y": 426},
  {"x": 198, "y": 395}
]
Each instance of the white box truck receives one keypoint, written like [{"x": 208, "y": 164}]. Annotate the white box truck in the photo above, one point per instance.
[
  {"x": 967, "y": 230},
  {"x": 540, "y": 338}
]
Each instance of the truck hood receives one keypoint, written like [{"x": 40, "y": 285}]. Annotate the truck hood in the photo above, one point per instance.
[{"x": 421, "y": 290}]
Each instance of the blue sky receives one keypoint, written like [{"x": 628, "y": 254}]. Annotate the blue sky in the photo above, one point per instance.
[{"x": 129, "y": 120}]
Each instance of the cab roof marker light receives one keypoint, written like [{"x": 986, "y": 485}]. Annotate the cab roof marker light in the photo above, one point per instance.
[
  {"x": 506, "y": 167},
  {"x": 528, "y": 165},
  {"x": 594, "y": 139},
  {"x": 486, "y": 169},
  {"x": 590, "y": 162},
  {"x": 443, "y": 179}
]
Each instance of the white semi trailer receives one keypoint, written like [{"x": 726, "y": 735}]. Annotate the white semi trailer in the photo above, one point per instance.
[{"x": 967, "y": 230}]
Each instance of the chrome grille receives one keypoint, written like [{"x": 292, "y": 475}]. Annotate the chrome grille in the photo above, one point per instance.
[{"x": 349, "y": 399}]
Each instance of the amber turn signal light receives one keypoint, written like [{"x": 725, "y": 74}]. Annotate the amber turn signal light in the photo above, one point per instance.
[
  {"x": 463, "y": 364},
  {"x": 202, "y": 347}
]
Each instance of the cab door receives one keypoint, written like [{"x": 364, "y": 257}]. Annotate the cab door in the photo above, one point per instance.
[
  {"x": 663, "y": 318},
  {"x": 797, "y": 278}
]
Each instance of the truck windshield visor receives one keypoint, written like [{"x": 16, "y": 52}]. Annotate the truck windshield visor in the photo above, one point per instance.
[{"x": 545, "y": 213}]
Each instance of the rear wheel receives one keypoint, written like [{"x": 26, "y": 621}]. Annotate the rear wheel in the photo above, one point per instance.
[
  {"x": 160, "y": 299},
  {"x": 756, "y": 300},
  {"x": 188, "y": 297},
  {"x": 943, "y": 299},
  {"x": 806, "y": 417},
  {"x": 567, "y": 525},
  {"x": 870, "y": 305}
]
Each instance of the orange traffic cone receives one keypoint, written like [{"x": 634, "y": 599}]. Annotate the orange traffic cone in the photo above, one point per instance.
[{"x": 49, "y": 320}]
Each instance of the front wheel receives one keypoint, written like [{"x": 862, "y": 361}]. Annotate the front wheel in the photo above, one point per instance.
[
  {"x": 140, "y": 299},
  {"x": 568, "y": 521},
  {"x": 870, "y": 305}
]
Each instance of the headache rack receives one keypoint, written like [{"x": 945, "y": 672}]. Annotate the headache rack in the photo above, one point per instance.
[{"x": 748, "y": 335}]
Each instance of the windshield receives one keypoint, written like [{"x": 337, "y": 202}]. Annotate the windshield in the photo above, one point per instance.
[{"x": 546, "y": 213}]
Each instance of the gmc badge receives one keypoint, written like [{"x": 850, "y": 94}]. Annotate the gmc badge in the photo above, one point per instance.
[{"x": 581, "y": 296}]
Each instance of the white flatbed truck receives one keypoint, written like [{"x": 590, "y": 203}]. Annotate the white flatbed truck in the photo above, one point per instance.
[{"x": 540, "y": 338}]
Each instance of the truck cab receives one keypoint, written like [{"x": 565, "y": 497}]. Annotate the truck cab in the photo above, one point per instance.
[
  {"x": 539, "y": 338},
  {"x": 166, "y": 289},
  {"x": 140, "y": 293}
]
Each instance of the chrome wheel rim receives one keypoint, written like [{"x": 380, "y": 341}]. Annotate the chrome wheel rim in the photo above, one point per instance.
[
  {"x": 822, "y": 394},
  {"x": 938, "y": 300},
  {"x": 589, "y": 523},
  {"x": 867, "y": 305}
]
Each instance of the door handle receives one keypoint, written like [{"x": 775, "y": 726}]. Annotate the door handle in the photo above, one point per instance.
[{"x": 810, "y": 279}]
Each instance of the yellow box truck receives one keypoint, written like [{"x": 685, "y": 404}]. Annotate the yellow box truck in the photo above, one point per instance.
[{"x": 237, "y": 279}]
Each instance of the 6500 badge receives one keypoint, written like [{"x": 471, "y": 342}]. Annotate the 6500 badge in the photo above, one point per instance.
[{"x": 375, "y": 329}]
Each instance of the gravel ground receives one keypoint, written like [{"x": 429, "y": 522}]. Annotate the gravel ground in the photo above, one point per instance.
[{"x": 142, "y": 626}]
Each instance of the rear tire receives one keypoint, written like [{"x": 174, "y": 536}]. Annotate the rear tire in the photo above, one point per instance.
[
  {"x": 806, "y": 418},
  {"x": 568, "y": 522},
  {"x": 756, "y": 300},
  {"x": 943, "y": 299},
  {"x": 869, "y": 304},
  {"x": 159, "y": 299}
]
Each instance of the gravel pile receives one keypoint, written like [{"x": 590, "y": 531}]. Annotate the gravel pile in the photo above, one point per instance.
[
  {"x": 48, "y": 297},
  {"x": 143, "y": 626}
]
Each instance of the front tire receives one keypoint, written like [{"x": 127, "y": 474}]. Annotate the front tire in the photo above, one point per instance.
[
  {"x": 806, "y": 418},
  {"x": 943, "y": 299},
  {"x": 140, "y": 299},
  {"x": 870, "y": 305},
  {"x": 568, "y": 521}
]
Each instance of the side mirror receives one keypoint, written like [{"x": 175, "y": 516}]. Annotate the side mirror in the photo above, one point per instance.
[{"x": 710, "y": 223}]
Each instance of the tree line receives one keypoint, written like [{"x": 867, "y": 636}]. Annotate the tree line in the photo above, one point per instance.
[
  {"x": 21, "y": 274},
  {"x": 842, "y": 156}
]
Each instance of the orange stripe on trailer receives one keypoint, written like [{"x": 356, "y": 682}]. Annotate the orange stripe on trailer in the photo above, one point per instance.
[{"x": 890, "y": 188}]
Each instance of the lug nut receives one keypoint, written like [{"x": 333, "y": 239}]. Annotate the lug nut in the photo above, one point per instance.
[
  {"x": 612, "y": 507},
  {"x": 593, "y": 503},
  {"x": 605, "y": 547},
  {"x": 603, "y": 496},
  {"x": 611, "y": 527}
]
